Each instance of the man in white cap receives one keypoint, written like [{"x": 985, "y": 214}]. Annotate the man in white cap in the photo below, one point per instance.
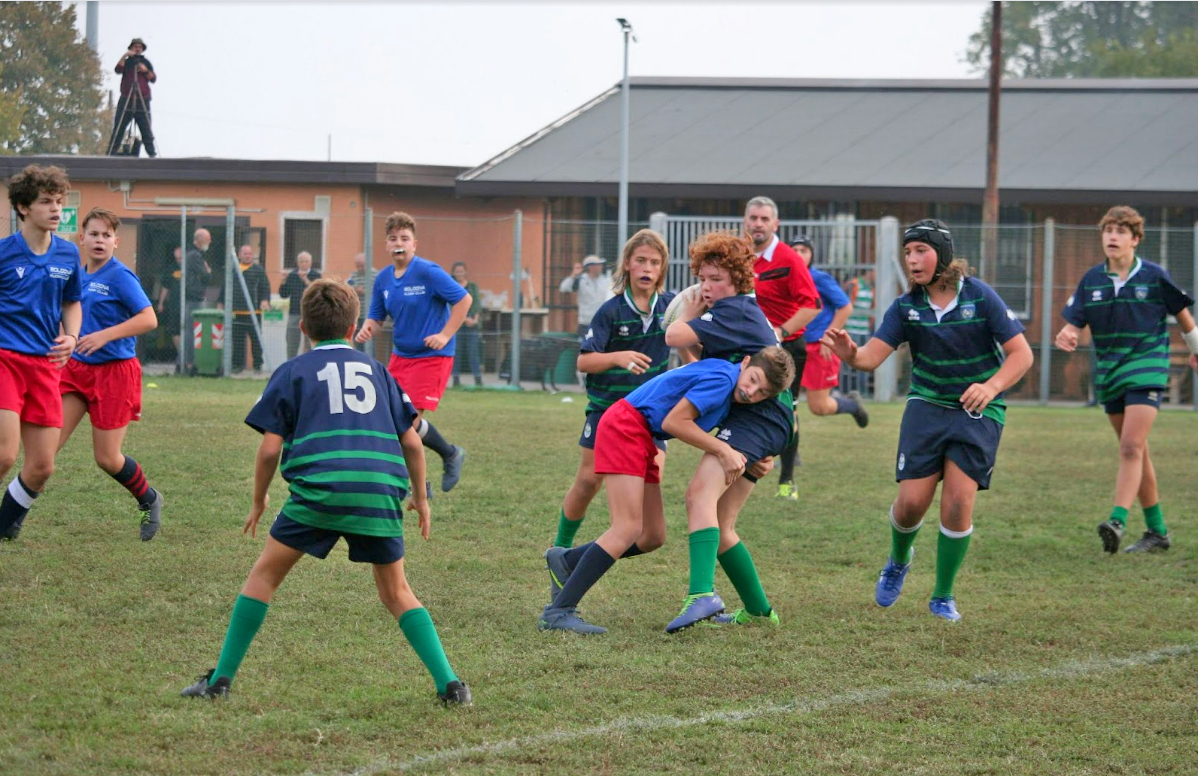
[{"x": 591, "y": 282}]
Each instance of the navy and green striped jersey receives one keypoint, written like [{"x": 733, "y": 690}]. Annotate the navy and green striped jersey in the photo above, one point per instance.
[
  {"x": 340, "y": 414},
  {"x": 962, "y": 347},
  {"x": 1127, "y": 321},
  {"x": 619, "y": 325}
]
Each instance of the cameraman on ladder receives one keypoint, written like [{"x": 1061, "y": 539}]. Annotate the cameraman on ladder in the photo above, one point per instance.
[{"x": 136, "y": 76}]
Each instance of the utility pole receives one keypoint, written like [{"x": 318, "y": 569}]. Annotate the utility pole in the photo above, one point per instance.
[
  {"x": 622, "y": 229},
  {"x": 990, "y": 199}
]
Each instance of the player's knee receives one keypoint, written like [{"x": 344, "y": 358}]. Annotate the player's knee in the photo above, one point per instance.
[
  {"x": 652, "y": 538},
  {"x": 1131, "y": 449},
  {"x": 729, "y": 538},
  {"x": 36, "y": 473},
  {"x": 398, "y": 596},
  {"x": 110, "y": 463},
  {"x": 7, "y": 461},
  {"x": 588, "y": 483}
]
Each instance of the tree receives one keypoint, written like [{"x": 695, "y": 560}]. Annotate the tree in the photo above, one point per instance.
[
  {"x": 1093, "y": 40},
  {"x": 51, "y": 83}
]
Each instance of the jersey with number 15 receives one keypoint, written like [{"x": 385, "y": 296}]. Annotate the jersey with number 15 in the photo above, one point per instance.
[{"x": 340, "y": 414}]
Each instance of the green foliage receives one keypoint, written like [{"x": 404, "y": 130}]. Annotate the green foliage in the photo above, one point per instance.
[
  {"x": 1093, "y": 40},
  {"x": 50, "y": 85}
]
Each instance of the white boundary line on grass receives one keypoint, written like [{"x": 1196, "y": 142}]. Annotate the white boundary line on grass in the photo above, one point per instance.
[{"x": 980, "y": 682}]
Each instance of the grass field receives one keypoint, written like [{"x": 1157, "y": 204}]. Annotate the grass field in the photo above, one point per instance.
[{"x": 1067, "y": 660}]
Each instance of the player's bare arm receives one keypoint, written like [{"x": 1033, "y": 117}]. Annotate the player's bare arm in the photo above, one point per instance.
[
  {"x": 266, "y": 463},
  {"x": 1018, "y": 360}
]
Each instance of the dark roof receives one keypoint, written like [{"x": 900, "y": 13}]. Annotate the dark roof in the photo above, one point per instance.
[
  {"x": 238, "y": 170},
  {"x": 1061, "y": 140}
]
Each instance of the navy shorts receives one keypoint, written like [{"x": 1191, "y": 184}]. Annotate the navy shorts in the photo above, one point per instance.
[
  {"x": 757, "y": 430},
  {"x": 591, "y": 426},
  {"x": 318, "y": 541},
  {"x": 930, "y": 434},
  {"x": 1149, "y": 397}
]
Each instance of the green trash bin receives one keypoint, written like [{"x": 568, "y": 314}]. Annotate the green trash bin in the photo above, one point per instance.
[
  {"x": 565, "y": 370},
  {"x": 208, "y": 328}
]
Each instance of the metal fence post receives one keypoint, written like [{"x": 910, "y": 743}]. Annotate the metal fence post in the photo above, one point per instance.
[
  {"x": 1193, "y": 289},
  {"x": 226, "y": 360},
  {"x": 887, "y": 258},
  {"x": 1046, "y": 289},
  {"x": 184, "y": 324},
  {"x": 517, "y": 271},
  {"x": 368, "y": 244}
]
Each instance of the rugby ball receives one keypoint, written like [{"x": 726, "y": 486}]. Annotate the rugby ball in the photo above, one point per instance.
[{"x": 674, "y": 308}]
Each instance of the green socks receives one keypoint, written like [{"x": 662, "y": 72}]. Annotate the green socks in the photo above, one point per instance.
[
  {"x": 566, "y": 528},
  {"x": 704, "y": 544},
  {"x": 950, "y": 552},
  {"x": 1119, "y": 515},
  {"x": 1155, "y": 520},
  {"x": 901, "y": 540},
  {"x": 420, "y": 632},
  {"x": 248, "y": 614},
  {"x": 742, "y": 573}
]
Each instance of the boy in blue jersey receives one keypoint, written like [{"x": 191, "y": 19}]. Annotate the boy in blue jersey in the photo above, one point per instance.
[
  {"x": 723, "y": 321},
  {"x": 39, "y": 329},
  {"x": 103, "y": 377},
  {"x": 966, "y": 349},
  {"x": 349, "y": 452},
  {"x": 623, "y": 348},
  {"x": 427, "y": 307},
  {"x": 1126, "y": 302},
  {"x": 821, "y": 370},
  {"x": 685, "y": 403}
]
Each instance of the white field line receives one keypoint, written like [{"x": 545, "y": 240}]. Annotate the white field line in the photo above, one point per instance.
[{"x": 980, "y": 682}]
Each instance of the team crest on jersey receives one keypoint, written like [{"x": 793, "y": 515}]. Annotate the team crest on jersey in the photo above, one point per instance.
[
  {"x": 967, "y": 312},
  {"x": 590, "y": 333},
  {"x": 1011, "y": 315},
  {"x": 386, "y": 295},
  {"x": 1096, "y": 296},
  {"x": 724, "y": 434},
  {"x": 586, "y": 430},
  {"x": 1141, "y": 293},
  {"x": 913, "y": 314},
  {"x": 20, "y": 272},
  {"x": 902, "y": 462},
  {"x": 706, "y": 317},
  {"x": 623, "y": 330}
]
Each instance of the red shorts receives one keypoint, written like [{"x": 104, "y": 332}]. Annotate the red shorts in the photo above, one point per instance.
[
  {"x": 422, "y": 379},
  {"x": 29, "y": 387},
  {"x": 820, "y": 374},
  {"x": 623, "y": 444},
  {"x": 112, "y": 390}
]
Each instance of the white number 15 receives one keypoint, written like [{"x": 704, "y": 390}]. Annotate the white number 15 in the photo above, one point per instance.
[{"x": 356, "y": 378}]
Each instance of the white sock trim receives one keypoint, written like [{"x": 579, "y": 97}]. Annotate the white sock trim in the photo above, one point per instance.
[
  {"x": 422, "y": 428},
  {"x": 956, "y": 534},
  {"x": 894, "y": 524},
  {"x": 20, "y": 495}
]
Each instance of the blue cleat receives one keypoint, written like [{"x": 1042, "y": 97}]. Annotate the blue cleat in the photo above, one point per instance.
[
  {"x": 453, "y": 469},
  {"x": 567, "y": 619},
  {"x": 559, "y": 569},
  {"x": 944, "y": 607},
  {"x": 695, "y": 609},
  {"x": 890, "y": 582}
]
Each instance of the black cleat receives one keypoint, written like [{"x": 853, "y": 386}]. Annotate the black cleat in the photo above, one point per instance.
[
  {"x": 1151, "y": 541},
  {"x": 860, "y": 415},
  {"x": 1111, "y": 532},
  {"x": 202, "y": 688},
  {"x": 151, "y": 517},
  {"x": 14, "y": 530},
  {"x": 456, "y": 694}
]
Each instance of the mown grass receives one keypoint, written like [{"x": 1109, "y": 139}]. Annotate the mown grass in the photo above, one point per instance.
[{"x": 99, "y": 631}]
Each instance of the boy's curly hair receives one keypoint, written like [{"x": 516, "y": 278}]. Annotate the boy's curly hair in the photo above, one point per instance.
[
  {"x": 728, "y": 251},
  {"x": 1122, "y": 215},
  {"x": 26, "y": 186},
  {"x": 397, "y": 221}
]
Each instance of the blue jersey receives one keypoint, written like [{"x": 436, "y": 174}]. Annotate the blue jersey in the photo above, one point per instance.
[
  {"x": 619, "y": 325},
  {"x": 1127, "y": 322},
  {"x": 832, "y": 297},
  {"x": 340, "y": 415},
  {"x": 111, "y": 296},
  {"x": 733, "y": 328},
  {"x": 962, "y": 347},
  {"x": 707, "y": 384},
  {"x": 32, "y": 291},
  {"x": 418, "y": 304}
]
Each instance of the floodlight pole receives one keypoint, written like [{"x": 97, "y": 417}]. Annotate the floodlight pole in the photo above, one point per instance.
[
  {"x": 622, "y": 230},
  {"x": 990, "y": 198}
]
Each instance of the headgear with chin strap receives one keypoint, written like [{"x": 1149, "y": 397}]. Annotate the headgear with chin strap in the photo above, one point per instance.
[{"x": 935, "y": 233}]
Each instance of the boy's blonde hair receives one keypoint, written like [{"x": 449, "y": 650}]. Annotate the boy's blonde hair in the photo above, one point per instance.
[
  {"x": 645, "y": 237},
  {"x": 107, "y": 216},
  {"x": 1122, "y": 215},
  {"x": 328, "y": 309},
  {"x": 778, "y": 366},
  {"x": 397, "y": 221}
]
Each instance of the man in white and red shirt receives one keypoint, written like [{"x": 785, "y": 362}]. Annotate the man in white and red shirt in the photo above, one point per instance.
[{"x": 789, "y": 299}]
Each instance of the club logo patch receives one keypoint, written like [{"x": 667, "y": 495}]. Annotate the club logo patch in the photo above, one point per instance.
[
  {"x": 1096, "y": 296},
  {"x": 967, "y": 312},
  {"x": 20, "y": 272},
  {"x": 706, "y": 317},
  {"x": 913, "y": 314},
  {"x": 586, "y": 431},
  {"x": 623, "y": 330},
  {"x": 1141, "y": 293},
  {"x": 590, "y": 334},
  {"x": 724, "y": 434},
  {"x": 902, "y": 462}
]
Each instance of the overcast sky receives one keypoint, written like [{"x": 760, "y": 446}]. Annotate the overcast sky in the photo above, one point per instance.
[{"x": 457, "y": 83}]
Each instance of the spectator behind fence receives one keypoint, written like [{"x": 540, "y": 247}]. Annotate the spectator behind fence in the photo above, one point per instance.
[
  {"x": 134, "y": 105},
  {"x": 245, "y": 310},
  {"x": 468, "y": 335},
  {"x": 168, "y": 299},
  {"x": 198, "y": 276},
  {"x": 591, "y": 283},
  {"x": 292, "y": 288},
  {"x": 362, "y": 282}
]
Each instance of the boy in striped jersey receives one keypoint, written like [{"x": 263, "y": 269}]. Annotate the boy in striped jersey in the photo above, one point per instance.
[
  {"x": 350, "y": 451},
  {"x": 1126, "y": 301},
  {"x": 966, "y": 349},
  {"x": 623, "y": 348}
]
